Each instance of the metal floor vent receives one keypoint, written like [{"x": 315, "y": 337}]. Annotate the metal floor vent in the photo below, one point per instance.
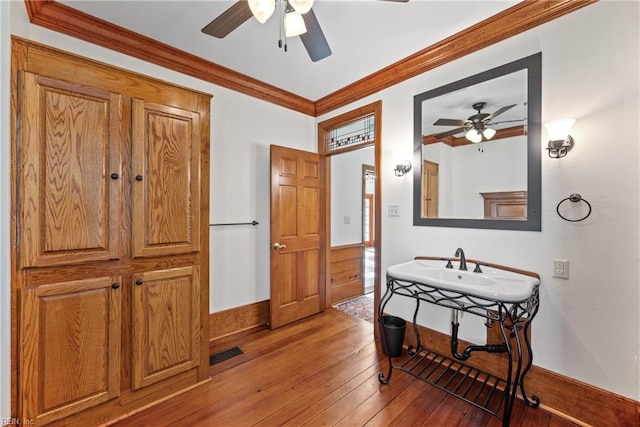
[{"x": 224, "y": 355}]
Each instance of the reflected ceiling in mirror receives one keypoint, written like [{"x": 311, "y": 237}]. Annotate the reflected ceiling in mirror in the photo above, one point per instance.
[{"x": 477, "y": 150}]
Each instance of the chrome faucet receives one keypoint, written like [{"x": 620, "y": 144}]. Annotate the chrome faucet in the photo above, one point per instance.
[{"x": 463, "y": 260}]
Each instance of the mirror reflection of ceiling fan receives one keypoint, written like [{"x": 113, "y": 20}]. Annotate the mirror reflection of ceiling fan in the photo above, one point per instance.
[
  {"x": 475, "y": 126},
  {"x": 296, "y": 19}
]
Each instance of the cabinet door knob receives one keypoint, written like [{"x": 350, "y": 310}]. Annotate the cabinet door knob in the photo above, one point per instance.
[
  {"x": 138, "y": 177},
  {"x": 115, "y": 176},
  {"x": 115, "y": 285},
  {"x": 139, "y": 282}
]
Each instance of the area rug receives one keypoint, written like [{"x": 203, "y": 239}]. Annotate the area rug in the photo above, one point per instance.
[{"x": 361, "y": 307}]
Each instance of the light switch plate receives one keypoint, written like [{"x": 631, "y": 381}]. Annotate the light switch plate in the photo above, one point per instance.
[{"x": 394, "y": 210}]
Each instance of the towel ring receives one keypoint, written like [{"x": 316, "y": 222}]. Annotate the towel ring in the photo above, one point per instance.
[{"x": 574, "y": 198}]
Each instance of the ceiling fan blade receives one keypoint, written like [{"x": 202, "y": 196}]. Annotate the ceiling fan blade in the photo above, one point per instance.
[
  {"x": 229, "y": 20},
  {"x": 497, "y": 113},
  {"x": 314, "y": 40},
  {"x": 449, "y": 122},
  {"x": 450, "y": 133},
  {"x": 507, "y": 121}
]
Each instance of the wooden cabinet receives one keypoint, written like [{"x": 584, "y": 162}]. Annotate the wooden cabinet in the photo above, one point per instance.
[
  {"x": 71, "y": 347},
  {"x": 505, "y": 205},
  {"x": 166, "y": 329},
  {"x": 70, "y": 166},
  {"x": 110, "y": 282},
  {"x": 166, "y": 190}
]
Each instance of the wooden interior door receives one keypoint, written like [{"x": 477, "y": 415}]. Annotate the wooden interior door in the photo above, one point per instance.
[
  {"x": 369, "y": 221},
  {"x": 430, "y": 184},
  {"x": 296, "y": 258}
]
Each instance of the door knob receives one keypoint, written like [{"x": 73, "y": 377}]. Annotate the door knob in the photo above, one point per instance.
[{"x": 279, "y": 246}]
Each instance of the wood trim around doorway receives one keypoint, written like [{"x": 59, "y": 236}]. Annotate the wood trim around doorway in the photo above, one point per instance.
[{"x": 324, "y": 127}]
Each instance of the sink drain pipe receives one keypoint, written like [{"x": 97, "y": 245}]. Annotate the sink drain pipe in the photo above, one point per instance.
[{"x": 489, "y": 348}]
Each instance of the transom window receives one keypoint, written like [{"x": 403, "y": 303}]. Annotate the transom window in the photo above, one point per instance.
[{"x": 361, "y": 131}]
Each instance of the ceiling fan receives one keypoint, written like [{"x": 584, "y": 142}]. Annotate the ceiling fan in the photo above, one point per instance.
[
  {"x": 297, "y": 16},
  {"x": 476, "y": 125}
]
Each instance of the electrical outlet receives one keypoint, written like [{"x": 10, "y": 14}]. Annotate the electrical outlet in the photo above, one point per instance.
[
  {"x": 347, "y": 219},
  {"x": 561, "y": 268},
  {"x": 394, "y": 210}
]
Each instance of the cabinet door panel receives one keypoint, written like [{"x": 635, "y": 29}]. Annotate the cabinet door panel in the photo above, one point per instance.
[
  {"x": 70, "y": 347},
  {"x": 166, "y": 324},
  {"x": 69, "y": 149},
  {"x": 166, "y": 164}
]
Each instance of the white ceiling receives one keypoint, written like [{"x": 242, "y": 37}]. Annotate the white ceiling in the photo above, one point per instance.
[{"x": 364, "y": 35}]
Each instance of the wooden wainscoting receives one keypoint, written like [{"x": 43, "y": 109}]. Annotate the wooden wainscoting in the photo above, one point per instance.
[
  {"x": 571, "y": 399},
  {"x": 347, "y": 280},
  {"x": 245, "y": 319}
]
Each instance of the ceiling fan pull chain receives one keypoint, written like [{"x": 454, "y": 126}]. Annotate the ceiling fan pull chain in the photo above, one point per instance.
[{"x": 280, "y": 24}]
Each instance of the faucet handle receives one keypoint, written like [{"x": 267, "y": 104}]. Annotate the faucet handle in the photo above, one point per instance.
[
  {"x": 477, "y": 269},
  {"x": 449, "y": 265}
]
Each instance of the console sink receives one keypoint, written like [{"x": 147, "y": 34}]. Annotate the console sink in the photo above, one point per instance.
[{"x": 493, "y": 283}]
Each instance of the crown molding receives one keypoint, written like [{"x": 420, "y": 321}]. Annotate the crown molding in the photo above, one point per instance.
[
  {"x": 515, "y": 20},
  {"x": 508, "y": 23},
  {"x": 67, "y": 20}
]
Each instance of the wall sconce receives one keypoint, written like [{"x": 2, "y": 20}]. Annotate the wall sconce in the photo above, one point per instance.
[
  {"x": 402, "y": 168},
  {"x": 560, "y": 142}
]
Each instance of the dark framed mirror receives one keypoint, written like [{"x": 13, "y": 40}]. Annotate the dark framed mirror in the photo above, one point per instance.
[{"x": 477, "y": 150}]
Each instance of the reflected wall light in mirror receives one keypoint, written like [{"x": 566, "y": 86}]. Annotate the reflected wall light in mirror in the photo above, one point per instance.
[
  {"x": 402, "y": 168},
  {"x": 477, "y": 156},
  {"x": 560, "y": 142}
]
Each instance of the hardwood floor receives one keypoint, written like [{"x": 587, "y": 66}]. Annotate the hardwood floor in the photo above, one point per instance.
[{"x": 320, "y": 371}]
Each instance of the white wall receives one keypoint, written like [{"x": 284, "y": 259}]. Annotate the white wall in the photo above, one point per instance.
[
  {"x": 499, "y": 165},
  {"x": 346, "y": 195},
  {"x": 242, "y": 128},
  {"x": 467, "y": 171},
  {"x": 5, "y": 288},
  {"x": 588, "y": 327}
]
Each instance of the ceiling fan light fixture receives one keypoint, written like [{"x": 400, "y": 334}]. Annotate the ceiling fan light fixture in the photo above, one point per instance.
[
  {"x": 301, "y": 6},
  {"x": 489, "y": 133},
  {"x": 262, "y": 9},
  {"x": 294, "y": 24},
  {"x": 474, "y": 136}
]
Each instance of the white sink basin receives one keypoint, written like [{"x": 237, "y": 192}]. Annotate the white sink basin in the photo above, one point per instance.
[{"x": 493, "y": 283}]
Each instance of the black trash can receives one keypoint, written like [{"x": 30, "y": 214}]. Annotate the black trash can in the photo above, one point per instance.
[{"x": 392, "y": 335}]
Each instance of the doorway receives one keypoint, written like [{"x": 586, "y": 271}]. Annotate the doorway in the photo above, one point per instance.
[
  {"x": 430, "y": 185},
  {"x": 368, "y": 230},
  {"x": 353, "y": 131}
]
